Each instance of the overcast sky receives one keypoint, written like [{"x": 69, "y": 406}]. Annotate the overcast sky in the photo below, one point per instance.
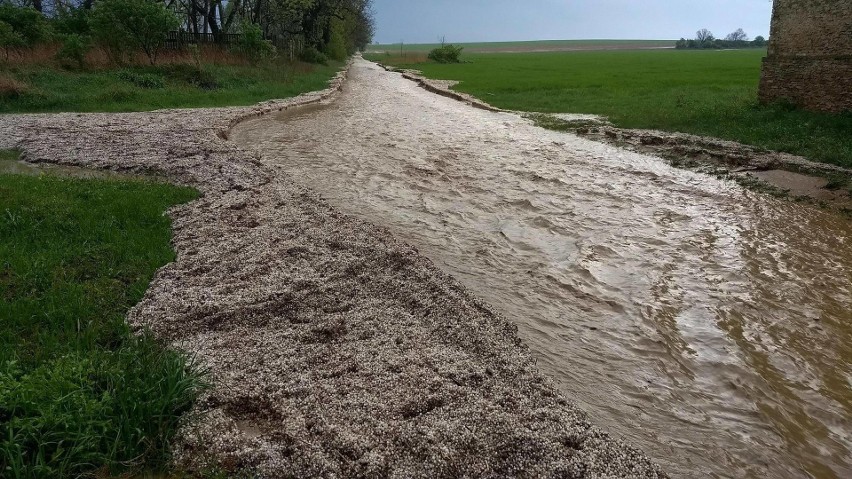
[{"x": 425, "y": 21}]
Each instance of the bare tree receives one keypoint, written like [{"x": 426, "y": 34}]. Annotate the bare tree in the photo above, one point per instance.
[
  {"x": 737, "y": 36},
  {"x": 704, "y": 35}
]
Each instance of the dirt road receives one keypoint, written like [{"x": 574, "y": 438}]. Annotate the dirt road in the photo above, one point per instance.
[{"x": 709, "y": 325}]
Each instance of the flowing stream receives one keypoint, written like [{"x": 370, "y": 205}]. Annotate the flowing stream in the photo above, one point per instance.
[{"x": 708, "y": 325}]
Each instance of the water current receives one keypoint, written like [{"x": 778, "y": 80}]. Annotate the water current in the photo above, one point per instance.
[{"x": 708, "y": 325}]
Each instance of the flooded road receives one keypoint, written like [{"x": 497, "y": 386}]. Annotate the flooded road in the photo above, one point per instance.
[{"x": 708, "y": 325}]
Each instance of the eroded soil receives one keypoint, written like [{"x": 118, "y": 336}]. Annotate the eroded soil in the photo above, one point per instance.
[
  {"x": 707, "y": 323},
  {"x": 334, "y": 349},
  {"x": 793, "y": 175}
]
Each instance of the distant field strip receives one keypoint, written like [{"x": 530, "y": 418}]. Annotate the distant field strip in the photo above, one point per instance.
[
  {"x": 712, "y": 93},
  {"x": 537, "y": 46}
]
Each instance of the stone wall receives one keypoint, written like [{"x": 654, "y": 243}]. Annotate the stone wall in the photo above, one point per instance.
[{"x": 809, "y": 62}]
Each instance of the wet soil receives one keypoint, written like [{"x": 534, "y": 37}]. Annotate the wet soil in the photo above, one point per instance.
[
  {"x": 709, "y": 324},
  {"x": 334, "y": 349},
  {"x": 792, "y": 175}
]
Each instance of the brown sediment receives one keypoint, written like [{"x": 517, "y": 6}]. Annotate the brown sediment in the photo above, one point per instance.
[{"x": 334, "y": 349}]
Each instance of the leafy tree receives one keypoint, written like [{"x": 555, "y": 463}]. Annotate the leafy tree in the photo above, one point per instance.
[
  {"x": 312, "y": 23},
  {"x": 759, "y": 41},
  {"x": 737, "y": 36},
  {"x": 28, "y": 26},
  {"x": 337, "y": 48},
  {"x": 9, "y": 38},
  {"x": 74, "y": 49},
  {"x": 69, "y": 20},
  {"x": 252, "y": 44},
  {"x": 123, "y": 25}
]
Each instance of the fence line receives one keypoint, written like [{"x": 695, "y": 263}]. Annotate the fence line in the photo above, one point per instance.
[{"x": 176, "y": 40}]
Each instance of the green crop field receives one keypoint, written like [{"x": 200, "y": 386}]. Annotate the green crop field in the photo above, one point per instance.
[
  {"x": 527, "y": 46},
  {"x": 711, "y": 93}
]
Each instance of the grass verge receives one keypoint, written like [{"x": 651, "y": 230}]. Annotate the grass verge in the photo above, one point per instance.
[
  {"x": 80, "y": 394},
  {"x": 47, "y": 88},
  {"x": 710, "y": 93}
]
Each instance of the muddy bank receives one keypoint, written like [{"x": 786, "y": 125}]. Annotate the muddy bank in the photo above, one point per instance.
[
  {"x": 787, "y": 174},
  {"x": 441, "y": 87},
  {"x": 334, "y": 349}
]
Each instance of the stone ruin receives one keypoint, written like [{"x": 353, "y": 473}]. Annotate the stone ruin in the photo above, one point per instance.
[{"x": 809, "y": 62}]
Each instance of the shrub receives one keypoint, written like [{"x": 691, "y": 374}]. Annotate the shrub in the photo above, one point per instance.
[
  {"x": 195, "y": 53},
  {"x": 142, "y": 80},
  {"x": 252, "y": 44},
  {"x": 192, "y": 75},
  {"x": 123, "y": 25},
  {"x": 312, "y": 55},
  {"x": 74, "y": 49},
  {"x": 446, "y": 54},
  {"x": 203, "y": 79},
  {"x": 11, "y": 88}
]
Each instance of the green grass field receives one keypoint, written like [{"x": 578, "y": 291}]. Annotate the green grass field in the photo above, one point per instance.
[
  {"x": 525, "y": 46},
  {"x": 711, "y": 93},
  {"x": 79, "y": 392},
  {"x": 143, "y": 88}
]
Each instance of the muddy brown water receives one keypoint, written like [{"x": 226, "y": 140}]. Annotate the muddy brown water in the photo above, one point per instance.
[{"x": 708, "y": 325}]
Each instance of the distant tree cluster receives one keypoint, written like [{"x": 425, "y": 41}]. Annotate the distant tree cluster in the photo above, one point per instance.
[
  {"x": 321, "y": 29},
  {"x": 704, "y": 39}
]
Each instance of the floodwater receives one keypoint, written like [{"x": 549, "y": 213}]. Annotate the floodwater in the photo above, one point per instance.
[{"x": 708, "y": 325}]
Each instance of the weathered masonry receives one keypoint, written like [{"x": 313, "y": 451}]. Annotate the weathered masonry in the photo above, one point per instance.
[{"x": 810, "y": 55}]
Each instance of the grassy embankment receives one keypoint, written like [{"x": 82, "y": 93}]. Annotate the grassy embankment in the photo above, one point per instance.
[
  {"x": 712, "y": 93},
  {"x": 78, "y": 391},
  {"x": 36, "y": 83}
]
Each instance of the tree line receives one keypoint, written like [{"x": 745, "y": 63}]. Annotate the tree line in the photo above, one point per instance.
[
  {"x": 704, "y": 39},
  {"x": 321, "y": 28}
]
